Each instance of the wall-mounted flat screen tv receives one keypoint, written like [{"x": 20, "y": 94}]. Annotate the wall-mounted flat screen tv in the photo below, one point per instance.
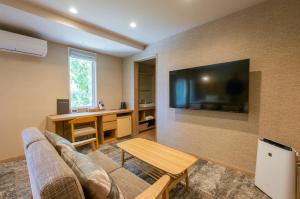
[{"x": 217, "y": 87}]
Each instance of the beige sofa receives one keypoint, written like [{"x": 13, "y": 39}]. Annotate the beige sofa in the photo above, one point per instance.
[{"x": 51, "y": 177}]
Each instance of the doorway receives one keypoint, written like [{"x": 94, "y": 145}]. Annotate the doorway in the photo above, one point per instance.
[{"x": 144, "y": 95}]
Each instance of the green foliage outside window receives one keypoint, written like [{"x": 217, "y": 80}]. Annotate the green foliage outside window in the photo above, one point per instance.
[{"x": 81, "y": 72}]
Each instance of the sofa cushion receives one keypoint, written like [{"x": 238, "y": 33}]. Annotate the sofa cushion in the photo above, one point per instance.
[
  {"x": 59, "y": 142},
  {"x": 130, "y": 184},
  {"x": 50, "y": 175},
  {"x": 101, "y": 159},
  {"x": 96, "y": 183},
  {"x": 31, "y": 135}
]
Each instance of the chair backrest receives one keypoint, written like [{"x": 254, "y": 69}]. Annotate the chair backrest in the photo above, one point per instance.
[{"x": 82, "y": 120}]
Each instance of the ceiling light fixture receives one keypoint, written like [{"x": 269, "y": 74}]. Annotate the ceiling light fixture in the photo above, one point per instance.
[
  {"x": 132, "y": 24},
  {"x": 73, "y": 10}
]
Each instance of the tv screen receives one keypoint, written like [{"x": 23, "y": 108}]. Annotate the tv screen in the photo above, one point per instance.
[{"x": 217, "y": 87}]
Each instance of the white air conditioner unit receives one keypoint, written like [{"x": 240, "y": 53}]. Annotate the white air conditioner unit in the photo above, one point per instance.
[{"x": 15, "y": 43}]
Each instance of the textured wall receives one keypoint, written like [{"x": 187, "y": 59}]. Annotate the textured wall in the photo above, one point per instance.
[
  {"x": 268, "y": 34},
  {"x": 29, "y": 87}
]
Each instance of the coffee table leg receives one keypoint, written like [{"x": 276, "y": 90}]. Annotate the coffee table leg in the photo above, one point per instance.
[
  {"x": 165, "y": 194},
  {"x": 123, "y": 157},
  {"x": 186, "y": 180}
]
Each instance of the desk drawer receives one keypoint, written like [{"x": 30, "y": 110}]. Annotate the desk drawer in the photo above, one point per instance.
[
  {"x": 108, "y": 118},
  {"x": 109, "y": 125}
]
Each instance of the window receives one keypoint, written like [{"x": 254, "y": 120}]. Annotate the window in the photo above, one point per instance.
[{"x": 82, "y": 69}]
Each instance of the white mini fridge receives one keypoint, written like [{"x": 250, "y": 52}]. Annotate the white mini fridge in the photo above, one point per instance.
[{"x": 275, "y": 172}]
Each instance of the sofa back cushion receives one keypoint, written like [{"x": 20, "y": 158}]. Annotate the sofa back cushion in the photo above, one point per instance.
[
  {"x": 96, "y": 183},
  {"x": 50, "y": 176},
  {"x": 59, "y": 142}
]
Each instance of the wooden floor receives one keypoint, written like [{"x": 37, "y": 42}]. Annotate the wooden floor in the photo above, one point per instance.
[{"x": 149, "y": 135}]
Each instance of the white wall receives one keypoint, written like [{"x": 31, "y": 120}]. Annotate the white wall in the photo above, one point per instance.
[
  {"x": 109, "y": 81},
  {"x": 29, "y": 87}
]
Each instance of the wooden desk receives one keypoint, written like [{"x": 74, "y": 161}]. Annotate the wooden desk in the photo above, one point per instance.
[
  {"x": 59, "y": 123},
  {"x": 168, "y": 160}
]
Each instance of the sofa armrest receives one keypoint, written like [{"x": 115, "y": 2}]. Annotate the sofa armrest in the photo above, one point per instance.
[{"x": 156, "y": 190}]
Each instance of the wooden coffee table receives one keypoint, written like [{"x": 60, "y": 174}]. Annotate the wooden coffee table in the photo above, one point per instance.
[{"x": 164, "y": 159}]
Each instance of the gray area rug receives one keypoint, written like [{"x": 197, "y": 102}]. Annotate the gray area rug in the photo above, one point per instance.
[
  {"x": 14, "y": 180},
  {"x": 207, "y": 180}
]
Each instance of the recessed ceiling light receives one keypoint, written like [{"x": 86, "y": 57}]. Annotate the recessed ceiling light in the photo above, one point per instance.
[
  {"x": 132, "y": 24},
  {"x": 73, "y": 10}
]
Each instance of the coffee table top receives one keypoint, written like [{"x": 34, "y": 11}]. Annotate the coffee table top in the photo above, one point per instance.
[{"x": 160, "y": 156}]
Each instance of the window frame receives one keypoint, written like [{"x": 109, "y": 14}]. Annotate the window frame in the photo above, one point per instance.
[{"x": 94, "y": 78}]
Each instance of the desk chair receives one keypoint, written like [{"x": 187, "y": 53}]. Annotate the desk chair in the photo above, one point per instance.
[{"x": 78, "y": 131}]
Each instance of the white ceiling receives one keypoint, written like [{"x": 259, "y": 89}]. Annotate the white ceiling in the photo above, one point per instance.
[
  {"x": 156, "y": 19},
  {"x": 49, "y": 30}
]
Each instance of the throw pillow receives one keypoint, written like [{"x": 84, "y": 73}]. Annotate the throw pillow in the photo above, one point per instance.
[
  {"x": 96, "y": 183},
  {"x": 59, "y": 142}
]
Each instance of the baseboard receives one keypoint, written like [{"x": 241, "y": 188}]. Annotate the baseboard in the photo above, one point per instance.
[
  {"x": 247, "y": 172},
  {"x": 21, "y": 157}
]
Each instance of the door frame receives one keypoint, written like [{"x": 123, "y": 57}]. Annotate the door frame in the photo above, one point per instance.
[{"x": 136, "y": 92}]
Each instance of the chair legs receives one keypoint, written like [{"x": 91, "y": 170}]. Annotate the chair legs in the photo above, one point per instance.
[
  {"x": 93, "y": 146},
  {"x": 97, "y": 142}
]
